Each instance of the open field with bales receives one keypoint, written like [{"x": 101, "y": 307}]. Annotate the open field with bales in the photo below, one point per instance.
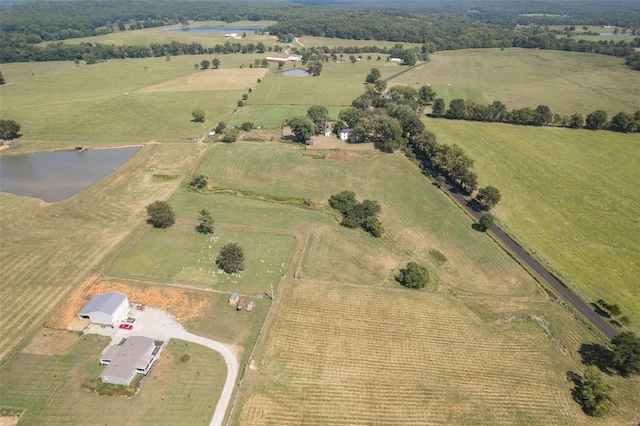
[
  {"x": 340, "y": 354},
  {"x": 49, "y": 387},
  {"x": 528, "y": 78},
  {"x": 570, "y": 196}
]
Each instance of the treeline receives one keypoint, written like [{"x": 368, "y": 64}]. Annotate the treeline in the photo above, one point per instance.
[
  {"x": 459, "y": 109},
  {"x": 390, "y": 119},
  {"x": 439, "y": 33}
]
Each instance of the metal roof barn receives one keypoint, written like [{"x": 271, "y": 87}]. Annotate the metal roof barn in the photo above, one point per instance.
[{"x": 106, "y": 308}]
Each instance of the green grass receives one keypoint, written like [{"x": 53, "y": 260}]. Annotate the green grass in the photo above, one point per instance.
[
  {"x": 59, "y": 104},
  {"x": 338, "y": 84},
  {"x": 449, "y": 92},
  {"x": 565, "y": 81},
  {"x": 181, "y": 255},
  {"x": 417, "y": 219},
  {"x": 50, "y": 387},
  {"x": 569, "y": 195},
  {"x": 272, "y": 116}
]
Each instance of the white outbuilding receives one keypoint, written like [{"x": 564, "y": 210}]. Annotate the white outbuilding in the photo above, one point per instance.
[{"x": 106, "y": 308}]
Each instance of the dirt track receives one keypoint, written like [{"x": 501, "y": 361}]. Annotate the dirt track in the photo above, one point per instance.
[{"x": 560, "y": 288}]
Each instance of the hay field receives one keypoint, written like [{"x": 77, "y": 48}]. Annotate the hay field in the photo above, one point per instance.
[
  {"x": 272, "y": 116},
  {"x": 118, "y": 102},
  {"x": 337, "y": 354},
  {"x": 182, "y": 255},
  {"x": 570, "y": 196},
  {"x": 49, "y": 249},
  {"x": 417, "y": 219},
  {"x": 49, "y": 387},
  {"x": 567, "y": 82}
]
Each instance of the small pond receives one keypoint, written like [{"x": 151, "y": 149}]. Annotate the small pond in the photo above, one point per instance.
[
  {"x": 295, "y": 73},
  {"x": 614, "y": 34},
  {"x": 54, "y": 176},
  {"x": 216, "y": 29}
]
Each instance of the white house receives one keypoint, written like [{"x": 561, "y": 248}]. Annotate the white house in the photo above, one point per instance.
[
  {"x": 106, "y": 308},
  {"x": 231, "y": 35},
  {"x": 395, "y": 60},
  {"x": 135, "y": 356},
  {"x": 344, "y": 134}
]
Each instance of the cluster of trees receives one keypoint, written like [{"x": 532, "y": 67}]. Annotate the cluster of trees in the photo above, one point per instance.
[
  {"x": 357, "y": 215},
  {"x": 460, "y": 109}
]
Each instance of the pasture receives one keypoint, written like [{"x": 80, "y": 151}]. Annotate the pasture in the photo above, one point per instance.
[
  {"x": 340, "y": 354},
  {"x": 182, "y": 255},
  {"x": 570, "y": 196},
  {"x": 272, "y": 116},
  {"x": 48, "y": 250},
  {"x": 119, "y": 102},
  {"x": 567, "y": 82},
  {"x": 49, "y": 388},
  {"x": 417, "y": 219}
]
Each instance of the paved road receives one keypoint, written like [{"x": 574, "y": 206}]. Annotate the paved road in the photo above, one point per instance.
[
  {"x": 567, "y": 294},
  {"x": 158, "y": 325}
]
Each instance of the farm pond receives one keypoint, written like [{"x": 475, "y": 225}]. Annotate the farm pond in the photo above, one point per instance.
[
  {"x": 295, "y": 73},
  {"x": 55, "y": 176}
]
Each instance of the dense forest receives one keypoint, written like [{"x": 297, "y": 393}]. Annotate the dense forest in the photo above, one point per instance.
[{"x": 435, "y": 25}]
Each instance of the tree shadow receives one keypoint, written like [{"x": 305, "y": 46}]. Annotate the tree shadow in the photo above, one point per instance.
[
  {"x": 474, "y": 205},
  {"x": 599, "y": 310},
  {"x": 477, "y": 227},
  {"x": 596, "y": 355}
]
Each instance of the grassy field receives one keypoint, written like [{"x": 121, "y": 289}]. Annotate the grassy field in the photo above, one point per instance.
[
  {"x": 338, "y": 84},
  {"x": 182, "y": 255},
  {"x": 338, "y": 354},
  {"x": 49, "y": 249},
  {"x": 528, "y": 78},
  {"x": 272, "y": 116},
  {"x": 49, "y": 387},
  {"x": 59, "y": 104},
  {"x": 417, "y": 219},
  {"x": 569, "y": 195}
]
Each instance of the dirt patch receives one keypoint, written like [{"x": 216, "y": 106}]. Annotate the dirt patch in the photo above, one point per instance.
[
  {"x": 221, "y": 79},
  {"x": 184, "y": 304},
  {"x": 259, "y": 135},
  {"x": 332, "y": 142},
  {"x": 345, "y": 156},
  {"x": 9, "y": 420},
  {"x": 542, "y": 322},
  {"x": 49, "y": 341}
]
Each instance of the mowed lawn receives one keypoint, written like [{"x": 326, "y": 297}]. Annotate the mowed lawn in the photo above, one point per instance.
[
  {"x": 48, "y": 249},
  {"x": 59, "y": 104},
  {"x": 570, "y": 196},
  {"x": 343, "y": 355},
  {"x": 418, "y": 218},
  {"x": 567, "y": 82},
  {"x": 49, "y": 387},
  {"x": 182, "y": 255}
]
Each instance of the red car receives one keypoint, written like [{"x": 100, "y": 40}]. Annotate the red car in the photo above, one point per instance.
[{"x": 126, "y": 326}]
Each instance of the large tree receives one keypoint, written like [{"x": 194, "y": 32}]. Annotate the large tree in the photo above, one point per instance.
[
  {"x": 426, "y": 96},
  {"x": 373, "y": 75},
  {"x": 597, "y": 120},
  {"x": 486, "y": 222},
  {"x": 414, "y": 276},
  {"x": 302, "y": 127},
  {"x": 595, "y": 395},
  {"x": 160, "y": 214},
  {"x": 231, "y": 258},
  {"x": 199, "y": 181},
  {"x": 438, "y": 107},
  {"x": 488, "y": 197},
  {"x": 198, "y": 116},
  {"x": 319, "y": 114},
  {"x": 9, "y": 129},
  {"x": 215, "y": 63},
  {"x": 626, "y": 353},
  {"x": 205, "y": 222}
]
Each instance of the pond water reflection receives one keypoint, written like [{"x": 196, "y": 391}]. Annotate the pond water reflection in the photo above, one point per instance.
[{"x": 54, "y": 176}]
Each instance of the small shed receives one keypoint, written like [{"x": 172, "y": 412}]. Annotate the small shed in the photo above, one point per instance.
[
  {"x": 240, "y": 304},
  {"x": 328, "y": 131},
  {"x": 106, "y": 308},
  {"x": 250, "y": 306},
  {"x": 309, "y": 142},
  {"x": 233, "y": 300}
]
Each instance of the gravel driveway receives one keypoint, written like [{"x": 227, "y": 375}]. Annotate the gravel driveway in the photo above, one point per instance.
[{"x": 159, "y": 325}]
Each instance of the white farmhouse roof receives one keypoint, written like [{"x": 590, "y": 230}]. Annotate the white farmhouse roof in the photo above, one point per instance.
[{"x": 106, "y": 303}]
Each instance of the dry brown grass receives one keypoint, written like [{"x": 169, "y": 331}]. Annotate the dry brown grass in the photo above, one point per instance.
[
  {"x": 220, "y": 79},
  {"x": 50, "y": 341},
  {"x": 345, "y": 355}
]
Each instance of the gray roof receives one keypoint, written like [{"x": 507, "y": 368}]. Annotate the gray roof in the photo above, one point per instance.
[
  {"x": 134, "y": 353},
  {"x": 107, "y": 303}
]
